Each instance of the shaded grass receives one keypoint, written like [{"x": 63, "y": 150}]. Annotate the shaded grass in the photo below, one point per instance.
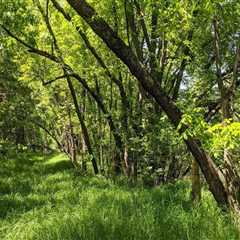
[{"x": 43, "y": 198}]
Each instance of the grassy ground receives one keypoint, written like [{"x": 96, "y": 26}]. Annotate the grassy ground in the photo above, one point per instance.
[{"x": 44, "y": 199}]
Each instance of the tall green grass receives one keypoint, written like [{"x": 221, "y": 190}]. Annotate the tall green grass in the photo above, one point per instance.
[{"x": 43, "y": 198}]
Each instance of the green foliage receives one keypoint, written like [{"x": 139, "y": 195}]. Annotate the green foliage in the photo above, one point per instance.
[
  {"x": 193, "y": 124},
  {"x": 178, "y": 51},
  {"x": 225, "y": 136}
]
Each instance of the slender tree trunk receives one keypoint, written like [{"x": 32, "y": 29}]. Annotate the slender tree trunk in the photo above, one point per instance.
[
  {"x": 83, "y": 126},
  {"x": 84, "y": 151},
  {"x": 196, "y": 182},
  {"x": 72, "y": 140},
  {"x": 84, "y": 147}
]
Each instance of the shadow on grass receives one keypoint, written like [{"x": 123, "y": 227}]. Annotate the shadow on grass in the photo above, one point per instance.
[
  {"x": 20, "y": 176},
  {"x": 17, "y": 205},
  {"x": 51, "y": 168}
]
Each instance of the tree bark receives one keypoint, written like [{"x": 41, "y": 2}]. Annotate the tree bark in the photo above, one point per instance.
[
  {"x": 73, "y": 150},
  {"x": 196, "y": 182}
]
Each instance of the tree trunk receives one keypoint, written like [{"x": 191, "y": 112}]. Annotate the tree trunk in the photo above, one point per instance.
[
  {"x": 196, "y": 182},
  {"x": 73, "y": 150},
  {"x": 117, "y": 137},
  {"x": 84, "y": 148},
  {"x": 83, "y": 126},
  {"x": 123, "y": 52}
]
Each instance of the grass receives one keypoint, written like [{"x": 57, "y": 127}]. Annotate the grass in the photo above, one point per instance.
[{"x": 43, "y": 198}]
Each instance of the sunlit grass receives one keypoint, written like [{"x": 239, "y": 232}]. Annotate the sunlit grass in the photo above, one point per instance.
[
  {"x": 56, "y": 159},
  {"x": 43, "y": 198}
]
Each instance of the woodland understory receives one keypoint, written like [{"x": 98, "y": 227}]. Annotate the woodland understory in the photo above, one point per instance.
[{"x": 141, "y": 90}]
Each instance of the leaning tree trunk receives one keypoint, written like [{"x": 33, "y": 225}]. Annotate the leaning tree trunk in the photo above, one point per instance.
[{"x": 125, "y": 53}]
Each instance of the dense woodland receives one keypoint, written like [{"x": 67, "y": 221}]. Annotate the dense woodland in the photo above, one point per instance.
[{"x": 140, "y": 90}]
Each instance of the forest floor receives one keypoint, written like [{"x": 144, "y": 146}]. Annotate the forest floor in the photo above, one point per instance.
[{"x": 43, "y": 198}]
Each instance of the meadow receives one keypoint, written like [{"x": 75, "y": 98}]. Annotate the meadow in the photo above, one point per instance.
[{"x": 43, "y": 197}]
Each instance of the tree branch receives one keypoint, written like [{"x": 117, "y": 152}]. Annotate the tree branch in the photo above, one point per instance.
[
  {"x": 53, "y": 80},
  {"x": 31, "y": 49}
]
